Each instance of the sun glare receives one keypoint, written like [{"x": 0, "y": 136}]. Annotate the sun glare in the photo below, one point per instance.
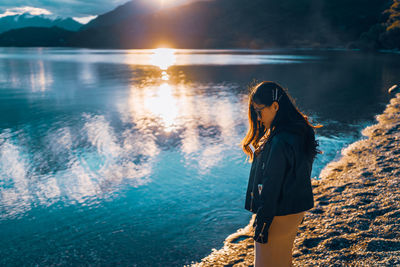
[{"x": 163, "y": 58}]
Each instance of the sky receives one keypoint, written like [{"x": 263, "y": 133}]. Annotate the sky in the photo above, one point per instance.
[{"x": 81, "y": 10}]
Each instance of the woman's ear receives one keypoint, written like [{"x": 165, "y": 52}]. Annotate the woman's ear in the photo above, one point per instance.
[{"x": 276, "y": 106}]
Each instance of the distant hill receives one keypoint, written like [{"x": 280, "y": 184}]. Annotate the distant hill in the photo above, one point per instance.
[
  {"x": 373, "y": 24},
  {"x": 26, "y": 20},
  {"x": 36, "y": 36}
]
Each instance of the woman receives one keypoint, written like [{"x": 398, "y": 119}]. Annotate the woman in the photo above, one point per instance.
[{"x": 279, "y": 189}]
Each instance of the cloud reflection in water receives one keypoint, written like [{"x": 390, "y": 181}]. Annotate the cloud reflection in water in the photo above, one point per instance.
[{"x": 90, "y": 171}]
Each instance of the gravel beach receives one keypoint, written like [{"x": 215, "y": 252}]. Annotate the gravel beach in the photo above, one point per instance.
[{"x": 355, "y": 221}]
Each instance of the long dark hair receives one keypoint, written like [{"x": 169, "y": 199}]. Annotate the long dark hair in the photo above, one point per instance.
[{"x": 288, "y": 117}]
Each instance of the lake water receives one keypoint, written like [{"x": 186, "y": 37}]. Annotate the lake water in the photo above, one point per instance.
[{"x": 132, "y": 157}]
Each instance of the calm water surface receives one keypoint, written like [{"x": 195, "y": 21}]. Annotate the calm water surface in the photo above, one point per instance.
[{"x": 132, "y": 157}]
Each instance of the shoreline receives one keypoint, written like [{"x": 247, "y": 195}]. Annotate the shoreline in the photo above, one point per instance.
[
  {"x": 355, "y": 220},
  {"x": 296, "y": 48}
]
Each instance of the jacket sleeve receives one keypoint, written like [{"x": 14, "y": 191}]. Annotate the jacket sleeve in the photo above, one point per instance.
[{"x": 276, "y": 164}]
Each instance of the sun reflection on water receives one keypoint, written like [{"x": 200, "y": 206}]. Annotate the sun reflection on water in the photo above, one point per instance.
[
  {"x": 163, "y": 58},
  {"x": 158, "y": 101}
]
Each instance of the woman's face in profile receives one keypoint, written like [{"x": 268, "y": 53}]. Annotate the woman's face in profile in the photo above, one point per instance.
[{"x": 266, "y": 114}]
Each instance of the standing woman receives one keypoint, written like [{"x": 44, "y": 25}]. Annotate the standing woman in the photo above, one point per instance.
[{"x": 279, "y": 189}]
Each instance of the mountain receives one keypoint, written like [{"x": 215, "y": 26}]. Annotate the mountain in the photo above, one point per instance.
[
  {"x": 133, "y": 8},
  {"x": 129, "y": 9},
  {"x": 27, "y": 20},
  {"x": 36, "y": 36},
  {"x": 67, "y": 23},
  {"x": 239, "y": 24}
]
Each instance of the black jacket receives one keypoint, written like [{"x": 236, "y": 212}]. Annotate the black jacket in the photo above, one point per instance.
[{"x": 279, "y": 181}]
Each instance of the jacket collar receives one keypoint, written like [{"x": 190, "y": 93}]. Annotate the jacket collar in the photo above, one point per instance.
[{"x": 296, "y": 127}]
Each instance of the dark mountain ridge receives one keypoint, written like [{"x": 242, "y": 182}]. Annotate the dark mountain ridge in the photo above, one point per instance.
[
  {"x": 36, "y": 36},
  {"x": 240, "y": 23}
]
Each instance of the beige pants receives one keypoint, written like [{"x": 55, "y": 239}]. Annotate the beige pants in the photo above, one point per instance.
[{"x": 277, "y": 252}]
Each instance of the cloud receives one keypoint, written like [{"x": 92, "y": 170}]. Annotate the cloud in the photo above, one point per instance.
[
  {"x": 84, "y": 20},
  {"x": 26, "y": 9},
  {"x": 65, "y": 8}
]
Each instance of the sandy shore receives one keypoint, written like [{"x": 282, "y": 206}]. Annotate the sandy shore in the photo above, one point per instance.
[{"x": 356, "y": 218}]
